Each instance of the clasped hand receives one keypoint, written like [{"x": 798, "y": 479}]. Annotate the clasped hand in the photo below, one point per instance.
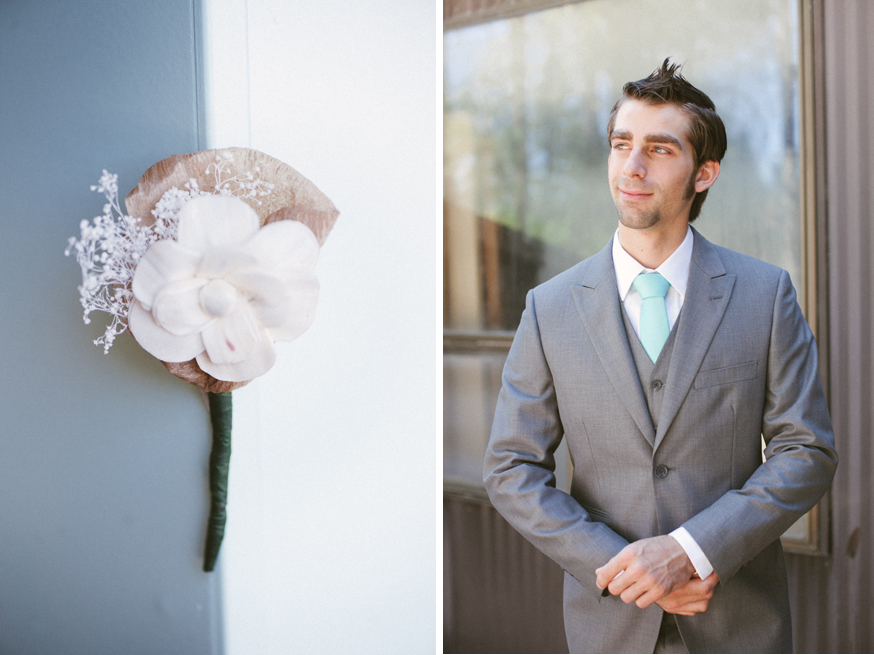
[{"x": 657, "y": 570}]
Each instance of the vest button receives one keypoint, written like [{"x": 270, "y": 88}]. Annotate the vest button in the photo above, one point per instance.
[
  {"x": 661, "y": 471},
  {"x": 657, "y": 385}
]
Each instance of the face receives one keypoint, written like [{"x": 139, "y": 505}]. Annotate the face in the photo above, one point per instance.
[{"x": 651, "y": 167}]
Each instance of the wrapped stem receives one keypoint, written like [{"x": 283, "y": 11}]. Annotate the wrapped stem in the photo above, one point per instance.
[{"x": 220, "y": 413}]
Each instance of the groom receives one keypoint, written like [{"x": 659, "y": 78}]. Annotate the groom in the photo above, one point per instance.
[{"x": 664, "y": 360}]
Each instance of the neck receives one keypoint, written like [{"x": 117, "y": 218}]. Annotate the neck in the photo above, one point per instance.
[{"x": 651, "y": 248}]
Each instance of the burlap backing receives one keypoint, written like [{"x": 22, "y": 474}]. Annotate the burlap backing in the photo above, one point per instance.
[{"x": 293, "y": 198}]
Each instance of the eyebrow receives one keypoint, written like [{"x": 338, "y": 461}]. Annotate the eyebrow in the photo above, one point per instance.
[{"x": 649, "y": 138}]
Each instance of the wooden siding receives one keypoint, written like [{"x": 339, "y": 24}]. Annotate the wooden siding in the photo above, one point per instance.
[{"x": 833, "y": 598}]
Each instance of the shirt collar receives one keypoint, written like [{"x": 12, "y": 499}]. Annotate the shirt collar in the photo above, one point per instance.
[{"x": 675, "y": 269}]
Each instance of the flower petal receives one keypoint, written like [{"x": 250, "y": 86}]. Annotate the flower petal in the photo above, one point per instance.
[
  {"x": 216, "y": 221},
  {"x": 232, "y": 338},
  {"x": 303, "y": 287},
  {"x": 218, "y": 262},
  {"x": 164, "y": 262},
  {"x": 177, "y": 307},
  {"x": 269, "y": 297},
  {"x": 156, "y": 341},
  {"x": 261, "y": 360},
  {"x": 284, "y": 246}
]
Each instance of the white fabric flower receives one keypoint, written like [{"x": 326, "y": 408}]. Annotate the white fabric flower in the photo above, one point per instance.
[{"x": 225, "y": 290}]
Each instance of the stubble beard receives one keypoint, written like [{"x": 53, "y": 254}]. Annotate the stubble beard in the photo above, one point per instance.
[
  {"x": 638, "y": 219},
  {"x": 642, "y": 219}
]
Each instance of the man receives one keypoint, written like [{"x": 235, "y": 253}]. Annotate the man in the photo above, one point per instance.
[{"x": 664, "y": 360}]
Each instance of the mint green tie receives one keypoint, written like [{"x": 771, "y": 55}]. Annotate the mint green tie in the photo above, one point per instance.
[{"x": 654, "y": 329}]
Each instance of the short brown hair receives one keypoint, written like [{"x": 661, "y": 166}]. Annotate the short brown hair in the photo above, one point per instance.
[{"x": 706, "y": 132}]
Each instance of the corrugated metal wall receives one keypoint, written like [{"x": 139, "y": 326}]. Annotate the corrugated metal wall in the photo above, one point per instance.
[
  {"x": 833, "y": 598},
  {"x": 500, "y": 594}
]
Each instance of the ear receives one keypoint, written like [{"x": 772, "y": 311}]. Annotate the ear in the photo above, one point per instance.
[{"x": 707, "y": 174}]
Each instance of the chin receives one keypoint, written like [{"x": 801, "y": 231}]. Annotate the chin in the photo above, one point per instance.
[{"x": 638, "y": 220}]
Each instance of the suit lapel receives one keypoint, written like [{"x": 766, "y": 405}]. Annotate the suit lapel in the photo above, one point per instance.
[
  {"x": 597, "y": 302},
  {"x": 707, "y": 294}
]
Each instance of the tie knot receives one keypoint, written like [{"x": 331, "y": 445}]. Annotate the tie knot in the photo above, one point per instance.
[{"x": 651, "y": 285}]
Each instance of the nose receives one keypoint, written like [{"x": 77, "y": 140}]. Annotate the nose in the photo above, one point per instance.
[{"x": 634, "y": 164}]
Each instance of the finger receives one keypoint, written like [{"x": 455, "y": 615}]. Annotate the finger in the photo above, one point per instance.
[
  {"x": 601, "y": 579},
  {"x": 625, "y": 581},
  {"x": 652, "y": 592},
  {"x": 607, "y": 573},
  {"x": 639, "y": 585},
  {"x": 690, "y": 609},
  {"x": 692, "y": 589},
  {"x": 633, "y": 590},
  {"x": 645, "y": 600},
  {"x": 613, "y": 568},
  {"x": 698, "y": 589},
  {"x": 655, "y": 587},
  {"x": 686, "y": 595}
]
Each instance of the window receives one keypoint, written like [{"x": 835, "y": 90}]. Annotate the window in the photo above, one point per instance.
[{"x": 526, "y": 104}]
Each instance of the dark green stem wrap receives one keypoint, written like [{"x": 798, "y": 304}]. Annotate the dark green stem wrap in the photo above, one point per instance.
[{"x": 220, "y": 413}]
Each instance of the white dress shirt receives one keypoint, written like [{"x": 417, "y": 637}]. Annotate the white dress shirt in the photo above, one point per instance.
[{"x": 675, "y": 269}]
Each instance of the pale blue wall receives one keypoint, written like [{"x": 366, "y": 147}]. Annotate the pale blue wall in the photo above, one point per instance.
[{"x": 102, "y": 458}]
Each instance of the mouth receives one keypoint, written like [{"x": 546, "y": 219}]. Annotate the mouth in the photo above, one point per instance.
[{"x": 634, "y": 195}]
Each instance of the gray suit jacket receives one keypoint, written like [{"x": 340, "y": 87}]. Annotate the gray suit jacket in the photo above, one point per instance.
[{"x": 744, "y": 365}]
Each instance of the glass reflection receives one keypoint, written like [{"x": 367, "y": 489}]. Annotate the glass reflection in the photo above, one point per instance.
[
  {"x": 526, "y": 103},
  {"x": 471, "y": 383}
]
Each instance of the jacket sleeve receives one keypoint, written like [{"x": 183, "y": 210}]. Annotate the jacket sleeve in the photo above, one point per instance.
[
  {"x": 800, "y": 450},
  {"x": 519, "y": 468}
]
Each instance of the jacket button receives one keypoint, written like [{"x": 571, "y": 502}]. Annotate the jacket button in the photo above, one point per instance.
[
  {"x": 657, "y": 385},
  {"x": 661, "y": 471}
]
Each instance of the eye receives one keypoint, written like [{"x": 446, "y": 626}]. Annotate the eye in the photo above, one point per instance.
[
  {"x": 662, "y": 151},
  {"x": 620, "y": 145}
]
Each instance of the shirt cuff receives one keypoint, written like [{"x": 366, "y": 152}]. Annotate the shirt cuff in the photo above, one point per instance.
[{"x": 702, "y": 565}]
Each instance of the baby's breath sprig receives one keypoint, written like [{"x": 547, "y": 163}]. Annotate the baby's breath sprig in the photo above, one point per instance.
[
  {"x": 249, "y": 185},
  {"x": 108, "y": 251},
  {"x": 111, "y": 246}
]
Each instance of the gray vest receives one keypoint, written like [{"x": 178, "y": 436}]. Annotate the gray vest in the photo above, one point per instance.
[{"x": 653, "y": 377}]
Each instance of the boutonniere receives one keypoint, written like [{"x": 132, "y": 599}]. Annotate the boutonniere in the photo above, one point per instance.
[{"x": 212, "y": 262}]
